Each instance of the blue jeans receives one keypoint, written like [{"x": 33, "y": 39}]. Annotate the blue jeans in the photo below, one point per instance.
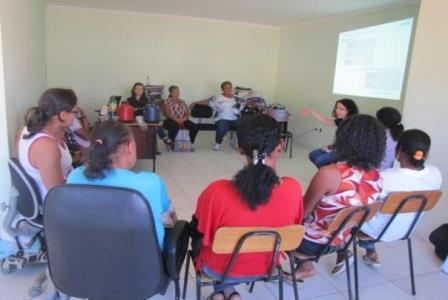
[
  {"x": 161, "y": 133},
  {"x": 368, "y": 245},
  {"x": 222, "y": 127},
  {"x": 229, "y": 282},
  {"x": 322, "y": 158}
]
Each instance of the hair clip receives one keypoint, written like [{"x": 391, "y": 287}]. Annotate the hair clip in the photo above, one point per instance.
[
  {"x": 418, "y": 155},
  {"x": 99, "y": 141}
]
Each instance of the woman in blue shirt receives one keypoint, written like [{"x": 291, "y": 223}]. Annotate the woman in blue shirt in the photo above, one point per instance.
[{"x": 110, "y": 161}]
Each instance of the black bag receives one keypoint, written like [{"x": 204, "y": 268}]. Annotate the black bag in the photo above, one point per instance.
[{"x": 439, "y": 238}]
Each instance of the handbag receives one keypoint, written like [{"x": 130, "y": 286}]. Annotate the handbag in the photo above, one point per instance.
[{"x": 182, "y": 143}]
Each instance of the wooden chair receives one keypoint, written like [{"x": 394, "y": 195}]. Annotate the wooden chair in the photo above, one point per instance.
[
  {"x": 350, "y": 219},
  {"x": 404, "y": 202},
  {"x": 236, "y": 240}
]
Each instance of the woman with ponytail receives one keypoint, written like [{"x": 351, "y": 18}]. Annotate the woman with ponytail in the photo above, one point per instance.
[
  {"x": 412, "y": 175},
  {"x": 256, "y": 196},
  {"x": 391, "y": 119},
  {"x": 110, "y": 160},
  {"x": 41, "y": 149}
]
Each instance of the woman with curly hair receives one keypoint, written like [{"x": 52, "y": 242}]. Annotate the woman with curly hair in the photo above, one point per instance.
[
  {"x": 256, "y": 196},
  {"x": 343, "y": 109},
  {"x": 353, "y": 181}
]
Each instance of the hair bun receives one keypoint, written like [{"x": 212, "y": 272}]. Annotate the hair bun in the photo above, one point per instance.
[{"x": 418, "y": 155}]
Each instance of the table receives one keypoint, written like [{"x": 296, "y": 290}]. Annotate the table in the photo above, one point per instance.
[{"x": 146, "y": 140}]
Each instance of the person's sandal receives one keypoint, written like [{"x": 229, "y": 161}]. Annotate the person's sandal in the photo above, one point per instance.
[
  {"x": 230, "y": 293},
  {"x": 217, "y": 296},
  {"x": 373, "y": 263},
  {"x": 340, "y": 266}
]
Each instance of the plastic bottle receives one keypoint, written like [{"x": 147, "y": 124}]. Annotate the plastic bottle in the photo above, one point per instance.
[{"x": 112, "y": 107}]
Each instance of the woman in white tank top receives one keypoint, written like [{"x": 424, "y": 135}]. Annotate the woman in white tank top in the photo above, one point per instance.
[{"x": 41, "y": 149}]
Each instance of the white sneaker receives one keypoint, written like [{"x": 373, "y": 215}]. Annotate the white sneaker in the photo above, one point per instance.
[{"x": 216, "y": 147}]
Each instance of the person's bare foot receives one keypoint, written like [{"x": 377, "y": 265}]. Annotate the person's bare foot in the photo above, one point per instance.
[
  {"x": 217, "y": 296},
  {"x": 305, "y": 270}
]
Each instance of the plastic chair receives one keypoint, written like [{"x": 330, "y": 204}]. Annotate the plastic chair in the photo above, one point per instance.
[
  {"x": 404, "y": 202},
  {"x": 348, "y": 219},
  {"x": 24, "y": 200},
  {"x": 236, "y": 240},
  {"x": 102, "y": 244}
]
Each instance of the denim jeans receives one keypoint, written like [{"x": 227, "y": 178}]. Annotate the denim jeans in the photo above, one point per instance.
[
  {"x": 222, "y": 127},
  {"x": 161, "y": 133},
  {"x": 322, "y": 158},
  {"x": 230, "y": 281},
  {"x": 368, "y": 245}
]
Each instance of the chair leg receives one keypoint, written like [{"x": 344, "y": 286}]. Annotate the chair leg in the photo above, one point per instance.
[
  {"x": 355, "y": 268},
  {"x": 349, "y": 281},
  {"x": 251, "y": 288},
  {"x": 290, "y": 146},
  {"x": 280, "y": 283},
  {"x": 187, "y": 267},
  {"x": 198, "y": 286},
  {"x": 293, "y": 275},
  {"x": 177, "y": 289},
  {"x": 411, "y": 266}
]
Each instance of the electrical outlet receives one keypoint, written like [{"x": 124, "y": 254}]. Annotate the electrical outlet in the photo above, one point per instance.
[{"x": 318, "y": 129}]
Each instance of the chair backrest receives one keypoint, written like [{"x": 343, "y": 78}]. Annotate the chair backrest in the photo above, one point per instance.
[
  {"x": 102, "y": 243},
  {"x": 347, "y": 219},
  {"x": 410, "y": 201},
  {"x": 201, "y": 111},
  {"x": 29, "y": 203},
  {"x": 236, "y": 240},
  {"x": 227, "y": 238}
]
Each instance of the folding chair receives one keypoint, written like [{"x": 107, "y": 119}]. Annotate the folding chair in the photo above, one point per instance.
[
  {"x": 404, "y": 202},
  {"x": 350, "y": 219},
  {"x": 236, "y": 240}
]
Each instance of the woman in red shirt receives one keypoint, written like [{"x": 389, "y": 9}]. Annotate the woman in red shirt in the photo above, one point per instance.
[{"x": 256, "y": 196}]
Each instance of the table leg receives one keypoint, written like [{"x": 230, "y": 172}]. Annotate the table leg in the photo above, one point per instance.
[{"x": 154, "y": 148}]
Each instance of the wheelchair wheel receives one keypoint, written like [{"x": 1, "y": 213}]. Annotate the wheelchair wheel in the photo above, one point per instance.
[{"x": 5, "y": 269}]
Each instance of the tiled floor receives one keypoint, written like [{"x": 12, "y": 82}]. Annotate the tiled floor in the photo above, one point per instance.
[{"x": 187, "y": 174}]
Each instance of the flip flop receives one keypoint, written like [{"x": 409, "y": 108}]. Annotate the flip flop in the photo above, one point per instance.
[
  {"x": 340, "y": 266},
  {"x": 373, "y": 263},
  {"x": 287, "y": 277},
  {"x": 214, "y": 294}
]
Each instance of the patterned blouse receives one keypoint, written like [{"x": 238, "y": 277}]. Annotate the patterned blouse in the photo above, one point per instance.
[
  {"x": 177, "y": 109},
  {"x": 358, "y": 187}
]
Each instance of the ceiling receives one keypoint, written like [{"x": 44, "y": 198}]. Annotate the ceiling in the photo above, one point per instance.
[{"x": 263, "y": 12}]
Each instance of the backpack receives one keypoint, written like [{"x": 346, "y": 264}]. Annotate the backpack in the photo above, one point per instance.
[{"x": 439, "y": 238}]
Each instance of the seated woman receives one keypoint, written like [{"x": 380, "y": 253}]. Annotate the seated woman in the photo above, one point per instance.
[
  {"x": 256, "y": 196},
  {"x": 177, "y": 114},
  {"x": 138, "y": 100},
  {"x": 40, "y": 147},
  {"x": 353, "y": 181},
  {"x": 343, "y": 109},
  {"x": 110, "y": 160},
  {"x": 412, "y": 175},
  {"x": 391, "y": 119},
  {"x": 227, "y": 111}
]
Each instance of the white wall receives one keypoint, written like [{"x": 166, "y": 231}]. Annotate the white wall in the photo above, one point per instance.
[
  {"x": 23, "y": 47},
  {"x": 101, "y": 52},
  {"x": 426, "y": 102},
  {"x": 307, "y": 59}
]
